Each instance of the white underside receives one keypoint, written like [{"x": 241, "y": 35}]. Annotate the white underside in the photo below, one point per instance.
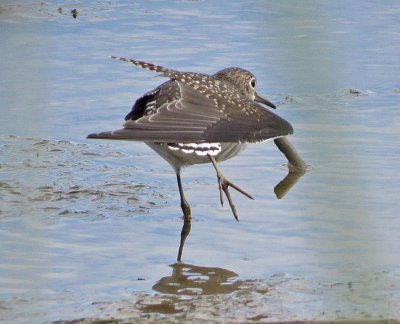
[
  {"x": 179, "y": 155},
  {"x": 200, "y": 149}
]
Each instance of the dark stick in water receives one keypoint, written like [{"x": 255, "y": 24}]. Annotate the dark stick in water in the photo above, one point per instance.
[
  {"x": 296, "y": 163},
  {"x": 297, "y": 167}
]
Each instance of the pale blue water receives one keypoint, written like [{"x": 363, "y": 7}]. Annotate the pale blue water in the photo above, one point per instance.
[{"x": 83, "y": 222}]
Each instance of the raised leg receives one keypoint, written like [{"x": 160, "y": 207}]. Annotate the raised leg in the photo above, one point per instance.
[
  {"x": 187, "y": 218},
  {"x": 223, "y": 185}
]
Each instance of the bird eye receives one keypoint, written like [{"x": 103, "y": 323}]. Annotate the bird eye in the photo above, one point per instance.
[{"x": 253, "y": 83}]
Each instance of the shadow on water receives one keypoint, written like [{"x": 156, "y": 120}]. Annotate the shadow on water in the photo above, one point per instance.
[
  {"x": 194, "y": 292},
  {"x": 188, "y": 279},
  {"x": 191, "y": 280}
]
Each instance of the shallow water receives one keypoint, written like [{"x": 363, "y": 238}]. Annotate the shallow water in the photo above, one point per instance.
[{"x": 91, "y": 229}]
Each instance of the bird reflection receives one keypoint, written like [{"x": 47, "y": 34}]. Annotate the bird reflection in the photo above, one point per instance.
[{"x": 188, "y": 279}]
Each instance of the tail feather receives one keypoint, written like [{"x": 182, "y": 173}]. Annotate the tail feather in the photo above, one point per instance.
[{"x": 151, "y": 67}]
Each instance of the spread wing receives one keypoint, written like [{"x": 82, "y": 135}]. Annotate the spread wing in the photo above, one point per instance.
[{"x": 195, "y": 118}]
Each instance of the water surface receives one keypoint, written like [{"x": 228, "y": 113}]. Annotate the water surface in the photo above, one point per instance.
[{"x": 91, "y": 229}]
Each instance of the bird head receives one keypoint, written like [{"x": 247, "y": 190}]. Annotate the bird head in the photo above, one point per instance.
[{"x": 244, "y": 81}]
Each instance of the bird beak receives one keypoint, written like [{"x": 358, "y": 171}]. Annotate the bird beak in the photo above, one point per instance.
[{"x": 264, "y": 101}]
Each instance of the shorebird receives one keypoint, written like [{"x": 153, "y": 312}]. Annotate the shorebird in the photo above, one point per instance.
[{"x": 197, "y": 118}]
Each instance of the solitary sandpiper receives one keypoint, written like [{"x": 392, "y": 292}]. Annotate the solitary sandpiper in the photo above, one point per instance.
[{"x": 197, "y": 118}]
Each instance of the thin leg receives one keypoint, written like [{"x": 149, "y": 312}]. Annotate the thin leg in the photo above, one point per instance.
[
  {"x": 184, "y": 204},
  {"x": 186, "y": 217},
  {"x": 223, "y": 185}
]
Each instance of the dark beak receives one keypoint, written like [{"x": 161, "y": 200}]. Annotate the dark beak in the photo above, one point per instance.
[{"x": 264, "y": 101}]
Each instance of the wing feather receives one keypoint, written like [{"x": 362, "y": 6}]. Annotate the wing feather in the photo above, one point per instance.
[{"x": 195, "y": 118}]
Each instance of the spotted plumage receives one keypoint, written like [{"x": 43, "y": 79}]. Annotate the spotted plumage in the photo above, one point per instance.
[
  {"x": 197, "y": 118},
  {"x": 195, "y": 107}
]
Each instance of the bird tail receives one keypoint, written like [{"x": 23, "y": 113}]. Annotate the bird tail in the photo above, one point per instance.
[{"x": 173, "y": 74}]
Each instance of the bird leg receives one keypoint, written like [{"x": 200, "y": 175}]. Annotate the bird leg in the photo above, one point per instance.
[
  {"x": 186, "y": 218},
  {"x": 223, "y": 185},
  {"x": 184, "y": 204}
]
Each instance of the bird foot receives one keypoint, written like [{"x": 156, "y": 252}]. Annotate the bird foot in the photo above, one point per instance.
[{"x": 224, "y": 185}]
